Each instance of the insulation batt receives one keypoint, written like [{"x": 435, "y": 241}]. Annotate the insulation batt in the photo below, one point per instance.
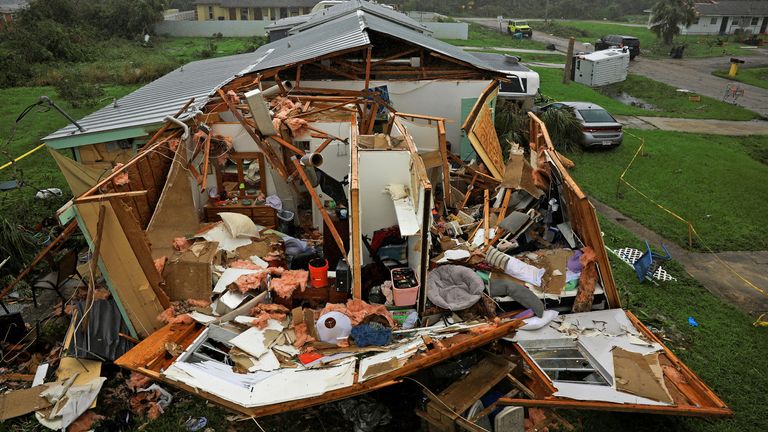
[
  {"x": 160, "y": 264},
  {"x": 137, "y": 381},
  {"x": 587, "y": 280},
  {"x": 254, "y": 281},
  {"x": 357, "y": 310},
  {"x": 288, "y": 282},
  {"x": 263, "y": 312},
  {"x": 181, "y": 244},
  {"x": 122, "y": 178},
  {"x": 85, "y": 422},
  {"x": 302, "y": 335}
]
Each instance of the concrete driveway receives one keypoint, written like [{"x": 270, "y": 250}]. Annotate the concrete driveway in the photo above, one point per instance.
[{"x": 702, "y": 126}]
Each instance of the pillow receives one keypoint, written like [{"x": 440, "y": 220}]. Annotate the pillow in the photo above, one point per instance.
[{"x": 239, "y": 225}]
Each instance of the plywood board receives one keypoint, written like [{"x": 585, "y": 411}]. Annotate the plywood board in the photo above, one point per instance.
[
  {"x": 20, "y": 402},
  {"x": 481, "y": 133},
  {"x": 122, "y": 270},
  {"x": 175, "y": 214}
]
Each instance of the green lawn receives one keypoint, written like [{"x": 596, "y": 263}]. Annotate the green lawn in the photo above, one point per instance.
[
  {"x": 712, "y": 181},
  {"x": 38, "y": 170},
  {"x": 121, "y": 61},
  {"x": 726, "y": 351},
  {"x": 669, "y": 102},
  {"x": 752, "y": 76},
  {"x": 480, "y": 36},
  {"x": 697, "y": 46}
]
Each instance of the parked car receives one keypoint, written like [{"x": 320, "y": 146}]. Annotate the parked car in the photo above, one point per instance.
[
  {"x": 519, "y": 26},
  {"x": 630, "y": 42},
  {"x": 598, "y": 127}
]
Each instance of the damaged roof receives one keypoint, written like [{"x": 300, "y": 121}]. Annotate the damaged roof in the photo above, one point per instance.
[
  {"x": 150, "y": 104},
  {"x": 350, "y": 31},
  {"x": 353, "y": 6}
]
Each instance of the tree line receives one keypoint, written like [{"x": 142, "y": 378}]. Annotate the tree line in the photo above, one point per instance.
[{"x": 63, "y": 31}]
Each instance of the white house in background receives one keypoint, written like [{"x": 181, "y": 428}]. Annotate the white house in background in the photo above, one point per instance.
[{"x": 728, "y": 17}]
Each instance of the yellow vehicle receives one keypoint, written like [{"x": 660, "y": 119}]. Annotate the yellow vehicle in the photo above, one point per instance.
[{"x": 519, "y": 26}]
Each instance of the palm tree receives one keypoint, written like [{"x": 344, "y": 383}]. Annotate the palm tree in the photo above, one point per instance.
[{"x": 669, "y": 15}]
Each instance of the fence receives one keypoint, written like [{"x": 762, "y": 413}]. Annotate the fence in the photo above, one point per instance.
[{"x": 257, "y": 28}]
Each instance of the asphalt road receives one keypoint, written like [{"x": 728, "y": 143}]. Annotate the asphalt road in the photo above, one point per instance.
[{"x": 691, "y": 74}]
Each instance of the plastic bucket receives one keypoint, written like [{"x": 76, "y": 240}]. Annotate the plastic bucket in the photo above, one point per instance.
[{"x": 318, "y": 273}]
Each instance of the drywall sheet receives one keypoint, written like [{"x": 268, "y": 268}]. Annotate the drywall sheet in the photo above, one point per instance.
[
  {"x": 424, "y": 134},
  {"x": 175, "y": 214},
  {"x": 125, "y": 277},
  {"x": 262, "y": 388},
  {"x": 640, "y": 375}
]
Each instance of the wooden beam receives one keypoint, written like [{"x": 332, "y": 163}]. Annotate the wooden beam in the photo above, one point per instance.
[
  {"x": 287, "y": 145},
  {"x": 368, "y": 68},
  {"x": 442, "y": 143},
  {"x": 107, "y": 196},
  {"x": 89, "y": 297},
  {"x": 396, "y": 56},
  {"x": 273, "y": 159},
  {"x": 354, "y": 215},
  {"x": 322, "y": 146},
  {"x": 319, "y": 205},
  {"x": 206, "y": 159}
]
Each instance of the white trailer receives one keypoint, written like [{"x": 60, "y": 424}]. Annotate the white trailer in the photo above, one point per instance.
[{"x": 601, "y": 67}]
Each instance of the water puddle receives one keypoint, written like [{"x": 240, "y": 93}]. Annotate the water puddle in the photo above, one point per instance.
[{"x": 628, "y": 99}]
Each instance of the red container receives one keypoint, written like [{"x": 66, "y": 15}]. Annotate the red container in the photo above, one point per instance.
[{"x": 318, "y": 273}]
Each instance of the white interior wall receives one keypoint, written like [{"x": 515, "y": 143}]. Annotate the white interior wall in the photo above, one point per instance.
[
  {"x": 424, "y": 135},
  {"x": 377, "y": 169},
  {"x": 439, "y": 98}
]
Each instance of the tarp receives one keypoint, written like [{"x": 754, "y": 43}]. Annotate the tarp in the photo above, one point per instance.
[{"x": 79, "y": 177}]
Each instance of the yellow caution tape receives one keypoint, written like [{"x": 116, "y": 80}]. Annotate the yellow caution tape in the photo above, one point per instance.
[{"x": 6, "y": 165}]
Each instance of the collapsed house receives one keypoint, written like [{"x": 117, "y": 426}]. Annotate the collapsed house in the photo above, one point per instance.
[{"x": 309, "y": 229}]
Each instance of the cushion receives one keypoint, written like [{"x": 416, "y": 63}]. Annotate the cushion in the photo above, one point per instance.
[
  {"x": 239, "y": 225},
  {"x": 454, "y": 287}
]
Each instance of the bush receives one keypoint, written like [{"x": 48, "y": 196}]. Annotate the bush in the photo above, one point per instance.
[
  {"x": 209, "y": 51},
  {"x": 79, "y": 93},
  {"x": 563, "y": 127}
]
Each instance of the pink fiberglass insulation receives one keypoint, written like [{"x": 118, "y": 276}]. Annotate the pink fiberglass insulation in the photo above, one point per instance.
[
  {"x": 255, "y": 281},
  {"x": 122, "y": 178},
  {"x": 357, "y": 310},
  {"x": 181, "y": 244},
  {"x": 288, "y": 282}
]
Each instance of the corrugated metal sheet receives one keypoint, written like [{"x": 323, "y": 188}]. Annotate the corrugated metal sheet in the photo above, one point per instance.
[
  {"x": 341, "y": 34},
  {"x": 162, "y": 97},
  {"x": 351, "y": 7},
  {"x": 148, "y": 105}
]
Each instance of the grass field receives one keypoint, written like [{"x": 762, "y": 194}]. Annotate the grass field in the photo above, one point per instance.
[
  {"x": 484, "y": 37},
  {"x": 696, "y": 46},
  {"x": 712, "y": 181},
  {"x": 669, "y": 102},
  {"x": 38, "y": 171},
  {"x": 726, "y": 351},
  {"x": 123, "y": 62},
  {"x": 753, "y": 76}
]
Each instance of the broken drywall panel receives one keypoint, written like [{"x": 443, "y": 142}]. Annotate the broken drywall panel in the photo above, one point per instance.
[
  {"x": 70, "y": 401},
  {"x": 640, "y": 375},
  {"x": 262, "y": 388},
  {"x": 222, "y": 236},
  {"x": 424, "y": 134},
  {"x": 229, "y": 276},
  {"x": 404, "y": 209},
  {"x": 253, "y": 340},
  {"x": 382, "y": 363}
]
